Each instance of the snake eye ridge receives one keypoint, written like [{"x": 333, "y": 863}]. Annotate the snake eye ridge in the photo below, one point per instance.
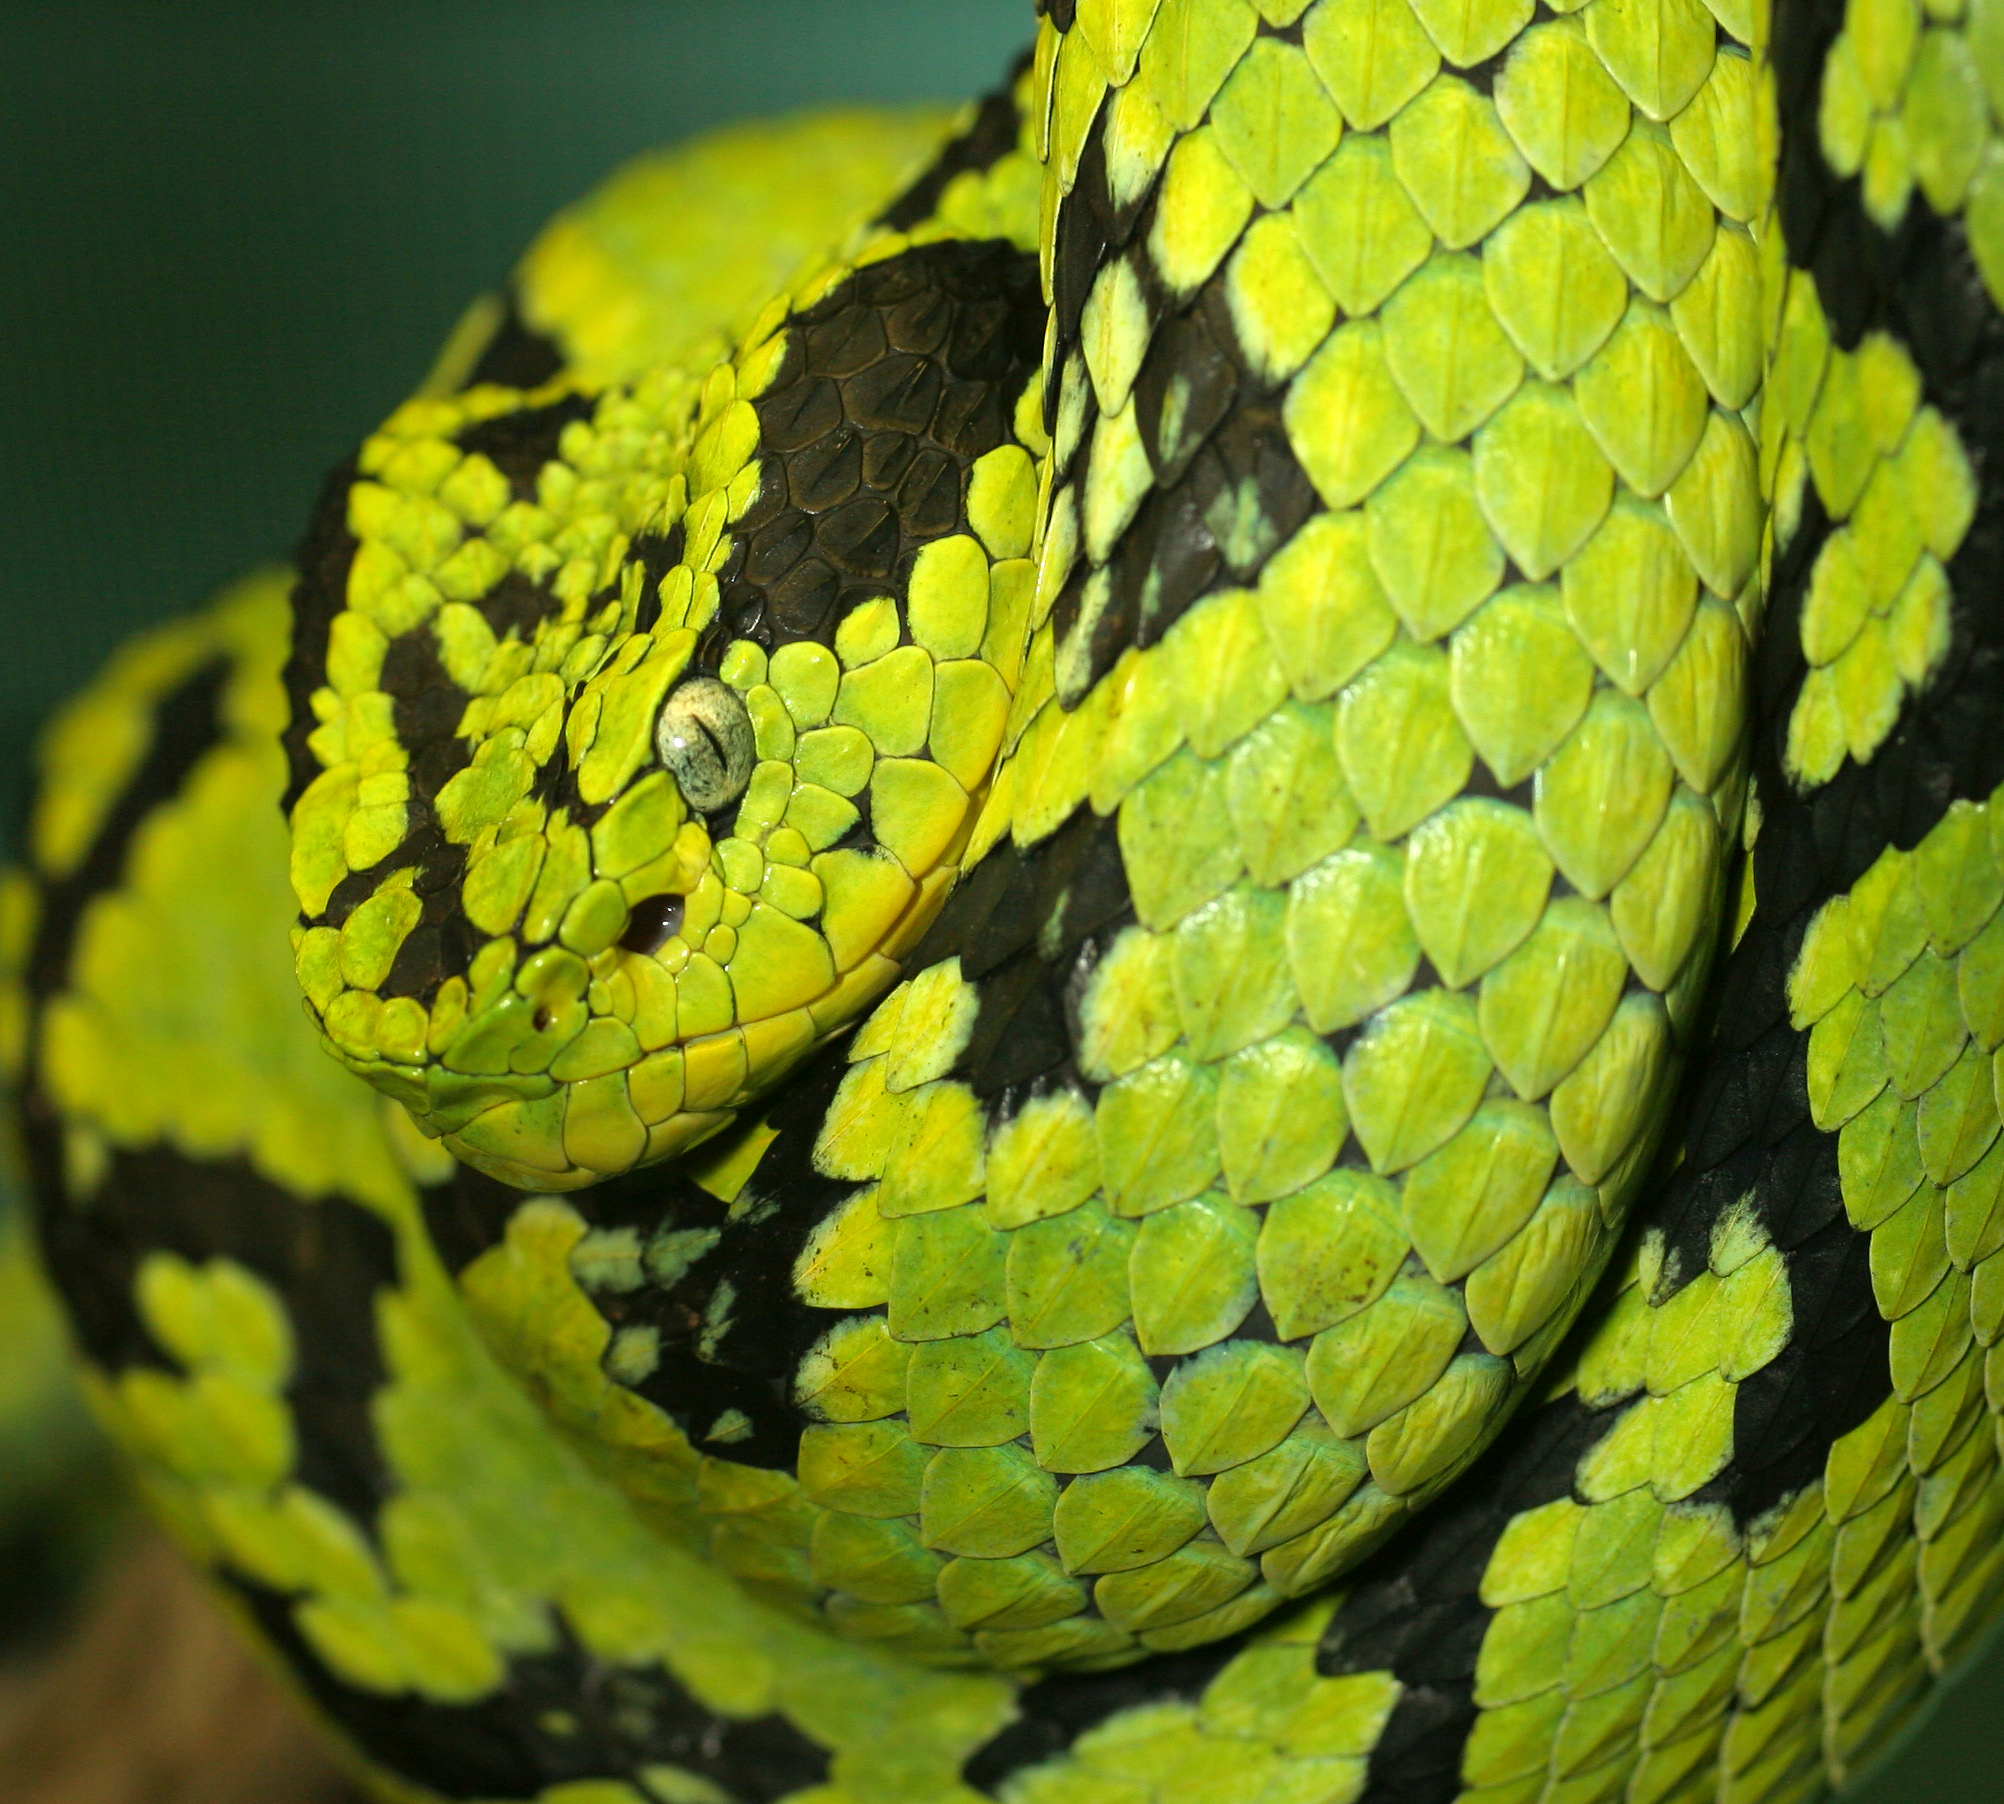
[{"x": 704, "y": 738}]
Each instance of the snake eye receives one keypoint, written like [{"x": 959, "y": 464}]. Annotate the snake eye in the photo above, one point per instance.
[{"x": 704, "y": 737}]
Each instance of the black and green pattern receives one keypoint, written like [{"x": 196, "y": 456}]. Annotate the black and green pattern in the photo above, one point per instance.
[{"x": 1214, "y": 949}]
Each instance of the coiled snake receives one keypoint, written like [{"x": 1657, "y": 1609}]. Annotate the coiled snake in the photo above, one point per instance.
[{"x": 1033, "y": 914}]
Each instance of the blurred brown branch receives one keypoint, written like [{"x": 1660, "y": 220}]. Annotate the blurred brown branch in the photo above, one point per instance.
[{"x": 152, "y": 1698}]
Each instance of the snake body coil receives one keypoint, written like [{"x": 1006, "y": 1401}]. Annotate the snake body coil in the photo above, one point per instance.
[{"x": 1185, "y": 988}]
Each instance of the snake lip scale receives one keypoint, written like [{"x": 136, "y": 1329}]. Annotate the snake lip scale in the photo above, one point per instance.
[{"x": 1152, "y": 947}]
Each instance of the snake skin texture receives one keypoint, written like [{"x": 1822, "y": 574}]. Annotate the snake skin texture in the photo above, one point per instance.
[{"x": 1183, "y": 987}]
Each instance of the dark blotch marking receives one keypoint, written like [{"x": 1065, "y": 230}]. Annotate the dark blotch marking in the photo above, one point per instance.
[
  {"x": 1029, "y": 926},
  {"x": 892, "y": 387},
  {"x": 1079, "y": 249},
  {"x": 327, "y": 1259},
  {"x": 1114, "y": 226},
  {"x": 993, "y": 135},
  {"x": 426, "y": 705},
  {"x": 1414, "y": 1608},
  {"x": 318, "y": 594},
  {"x": 508, "y": 1746},
  {"x": 442, "y": 943},
  {"x": 517, "y": 356},
  {"x": 1749, "y": 1130},
  {"x": 1185, "y": 355},
  {"x": 425, "y": 708},
  {"x": 1229, "y": 491},
  {"x": 519, "y": 444},
  {"x": 1019, "y": 1035},
  {"x": 186, "y": 725},
  {"x": 717, "y": 1352},
  {"x": 517, "y": 604},
  {"x": 657, "y": 553},
  {"x": 1055, "y": 1712}
]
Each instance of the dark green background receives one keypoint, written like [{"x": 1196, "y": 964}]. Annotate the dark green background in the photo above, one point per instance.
[{"x": 231, "y": 236}]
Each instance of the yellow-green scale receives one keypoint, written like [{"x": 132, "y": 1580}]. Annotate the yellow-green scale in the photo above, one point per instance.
[
  {"x": 493, "y": 1526},
  {"x": 1475, "y": 386},
  {"x": 565, "y": 1054},
  {"x": 1530, "y": 427},
  {"x": 1285, "y": 767},
  {"x": 1641, "y": 1647}
]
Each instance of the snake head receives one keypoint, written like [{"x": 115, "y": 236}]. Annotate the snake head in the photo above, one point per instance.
[{"x": 637, "y": 735}]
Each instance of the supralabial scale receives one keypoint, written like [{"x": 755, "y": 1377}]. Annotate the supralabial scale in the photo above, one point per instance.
[{"x": 1151, "y": 947}]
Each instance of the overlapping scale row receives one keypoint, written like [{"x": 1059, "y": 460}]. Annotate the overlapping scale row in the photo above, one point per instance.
[
  {"x": 1847, "y": 434},
  {"x": 564, "y": 959},
  {"x": 1267, "y": 1729},
  {"x": 1639, "y": 1634},
  {"x": 1047, "y": 1422},
  {"x": 1637, "y": 1641},
  {"x": 1851, "y": 428},
  {"x": 1642, "y": 1644},
  {"x": 1392, "y": 615},
  {"x": 1644, "y": 1640},
  {"x": 1620, "y": 1620},
  {"x": 1908, "y": 104},
  {"x": 1356, "y": 1094},
  {"x": 1901, "y": 984}
]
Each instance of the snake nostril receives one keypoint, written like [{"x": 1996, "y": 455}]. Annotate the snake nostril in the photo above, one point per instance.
[
  {"x": 654, "y": 920},
  {"x": 540, "y": 1020}
]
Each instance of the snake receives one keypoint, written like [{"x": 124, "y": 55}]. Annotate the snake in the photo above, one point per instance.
[{"x": 1147, "y": 949}]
